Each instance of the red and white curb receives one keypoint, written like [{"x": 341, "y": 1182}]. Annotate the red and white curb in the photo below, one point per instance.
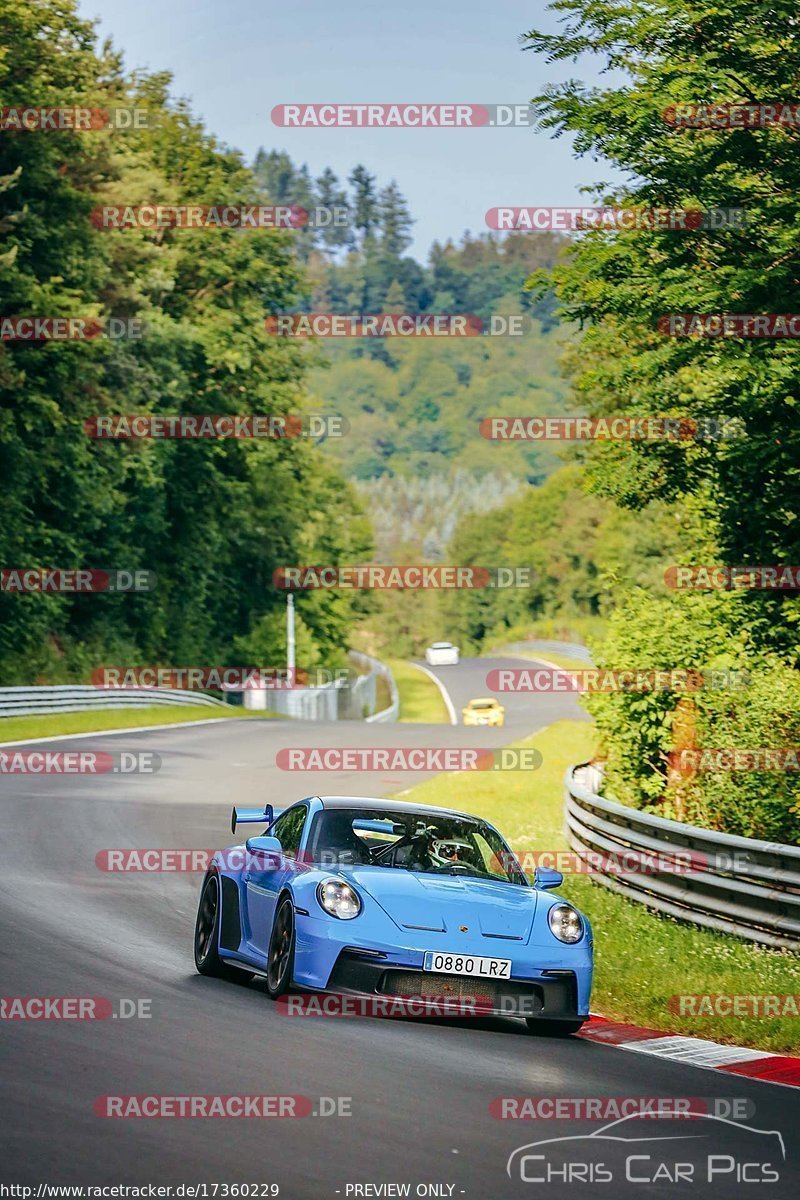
[{"x": 697, "y": 1052}]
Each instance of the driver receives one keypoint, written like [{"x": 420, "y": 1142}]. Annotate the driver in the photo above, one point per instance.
[{"x": 450, "y": 851}]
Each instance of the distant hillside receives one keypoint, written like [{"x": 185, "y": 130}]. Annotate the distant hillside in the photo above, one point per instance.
[{"x": 414, "y": 405}]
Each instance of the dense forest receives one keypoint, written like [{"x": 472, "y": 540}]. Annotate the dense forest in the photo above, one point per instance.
[{"x": 210, "y": 518}]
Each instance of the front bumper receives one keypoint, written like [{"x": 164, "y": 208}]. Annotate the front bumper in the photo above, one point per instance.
[{"x": 550, "y": 996}]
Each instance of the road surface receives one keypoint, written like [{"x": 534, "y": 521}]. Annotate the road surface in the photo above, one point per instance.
[{"x": 419, "y": 1092}]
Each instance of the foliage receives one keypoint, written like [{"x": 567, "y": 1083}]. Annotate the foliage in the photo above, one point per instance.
[
  {"x": 756, "y": 707},
  {"x": 211, "y": 518},
  {"x": 581, "y": 552},
  {"x": 618, "y": 284}
]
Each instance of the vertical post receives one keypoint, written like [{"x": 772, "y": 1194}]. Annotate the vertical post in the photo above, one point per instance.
[{"x": 290, "y": 637}]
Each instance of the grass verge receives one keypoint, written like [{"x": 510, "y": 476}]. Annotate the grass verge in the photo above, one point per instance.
[
  {"x": 96, "y": 720},
  {"x": 641, "y": 959},
  {"x": 420, "y": 698}
]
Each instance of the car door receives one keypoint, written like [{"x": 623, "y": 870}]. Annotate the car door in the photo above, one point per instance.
[{"x": 263, "y": 886}]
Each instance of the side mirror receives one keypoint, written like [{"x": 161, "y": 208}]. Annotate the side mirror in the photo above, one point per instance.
[
  {"x": 544, "y": 878},
  {"x": 266, "y": 852}
]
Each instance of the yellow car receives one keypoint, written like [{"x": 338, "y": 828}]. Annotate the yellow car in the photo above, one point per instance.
[{"x": 484, "y": 711}]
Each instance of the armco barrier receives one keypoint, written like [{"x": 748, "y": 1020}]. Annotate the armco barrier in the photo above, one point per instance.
[
  {"x": 340, "y": 700},
  {"x": 376, "y": 669},
  {"x": 739, "y": 885},
  {"x": 27, "y": 701}
]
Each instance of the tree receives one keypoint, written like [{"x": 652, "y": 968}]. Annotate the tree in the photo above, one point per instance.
[
  {"x": 331, "y": 196},
  {"x": 365, "y": 204},
  {"x": 211, "y": 519},
  {"x": 618, "y": 284},
  {"x": 395, "y": 222}
]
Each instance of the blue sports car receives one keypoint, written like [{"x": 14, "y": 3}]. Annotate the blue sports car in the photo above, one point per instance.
[{"x": 384, "y": 898}]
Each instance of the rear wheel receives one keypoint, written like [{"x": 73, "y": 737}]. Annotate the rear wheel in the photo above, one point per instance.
[
  {"x": 547, "y": 1028},
  {"x": 280, "y": 956},
  {"x": 206, "y": 935}
]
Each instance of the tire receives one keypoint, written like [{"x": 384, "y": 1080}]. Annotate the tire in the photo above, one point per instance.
[
  {"x": 280, "y": 955},
  {"x": 547, "y": 1028},
  {"x": 206, "y": 935}
]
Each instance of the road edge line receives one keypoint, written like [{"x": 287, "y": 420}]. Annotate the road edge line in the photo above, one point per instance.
[{"x": 448, "y": 703}]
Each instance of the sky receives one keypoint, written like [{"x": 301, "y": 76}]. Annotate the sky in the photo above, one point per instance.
[{"x": 235, "y": 61}]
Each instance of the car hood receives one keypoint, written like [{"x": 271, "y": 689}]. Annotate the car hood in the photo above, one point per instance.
[{"x": 442, "y": 903}]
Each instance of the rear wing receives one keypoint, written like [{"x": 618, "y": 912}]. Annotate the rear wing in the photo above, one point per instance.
[{"x": 252, "y": 816}]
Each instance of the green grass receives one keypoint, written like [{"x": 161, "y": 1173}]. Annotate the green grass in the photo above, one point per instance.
[
  {"x": 95, "y": 720},
  {"x": 641, "y": 959},
  {"x": 420, "y": 698}
]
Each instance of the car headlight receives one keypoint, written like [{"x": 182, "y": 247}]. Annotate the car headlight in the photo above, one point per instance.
[
  {"x": 339, "y": 899},
  {"x": 565, "y": 923}
]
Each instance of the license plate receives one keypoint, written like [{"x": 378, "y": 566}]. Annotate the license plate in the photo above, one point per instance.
[{"x": 467, "y": 964}]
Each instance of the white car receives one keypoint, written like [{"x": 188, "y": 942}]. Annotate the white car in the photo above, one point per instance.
[{"x": 442, "y": 654}]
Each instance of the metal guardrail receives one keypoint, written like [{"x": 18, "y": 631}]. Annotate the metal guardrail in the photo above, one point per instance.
[
  {"x": 27, "y": 701},
  {"x": 340, "y": 700},
  {"x": 377, "y": 668},
  {"x": 735, "y": 885}
]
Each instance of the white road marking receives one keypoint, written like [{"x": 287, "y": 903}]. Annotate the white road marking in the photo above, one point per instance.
[
  {"x": 698, "y": 1051},
  {"x": 451, "y": 711}
]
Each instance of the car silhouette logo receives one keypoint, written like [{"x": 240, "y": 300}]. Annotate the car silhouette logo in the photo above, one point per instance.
[{"x": 615, "y": 1132}]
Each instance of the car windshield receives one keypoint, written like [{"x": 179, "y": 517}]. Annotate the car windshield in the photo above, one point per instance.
[
  {"x": 422, "y": 841},
  {"x": 442, "y": 646},
  {"x": 482, "y": 704}
]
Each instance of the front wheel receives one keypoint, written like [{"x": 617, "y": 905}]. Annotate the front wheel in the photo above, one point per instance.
[
  {"x": 547, "y": 1028},
  {"x": 280, "y": 956}
]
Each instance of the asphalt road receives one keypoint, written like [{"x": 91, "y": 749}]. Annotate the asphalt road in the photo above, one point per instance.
[
  {"x": 419, "y": 1091},
  {"x": 525, "y": 711}
]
